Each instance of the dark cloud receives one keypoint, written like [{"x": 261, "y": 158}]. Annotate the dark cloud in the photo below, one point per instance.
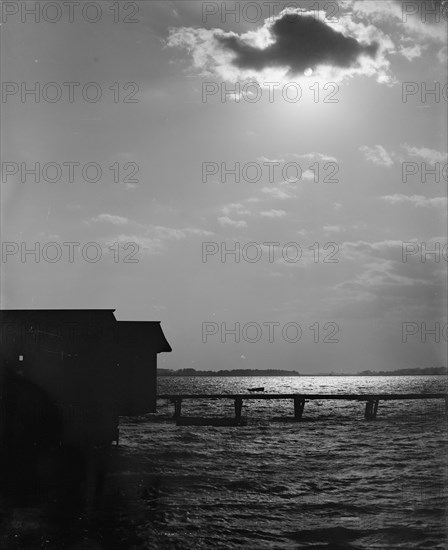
[{"x": 300, "y": 42}]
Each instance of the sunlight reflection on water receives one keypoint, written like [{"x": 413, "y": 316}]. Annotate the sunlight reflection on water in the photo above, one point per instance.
[{"x": 281, "y": 484}]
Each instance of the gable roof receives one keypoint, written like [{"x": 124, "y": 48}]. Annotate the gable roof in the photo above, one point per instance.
[
  {"x": 54, "y": 315},
  {"x": 99, "y": 322},
  {"x": 141, "y": 332}
]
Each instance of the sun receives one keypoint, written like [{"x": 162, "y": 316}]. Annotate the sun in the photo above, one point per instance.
[{"x": 308, "y": 72}]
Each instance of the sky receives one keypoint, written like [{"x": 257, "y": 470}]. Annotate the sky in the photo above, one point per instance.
[{"x": 303, "y": 136}]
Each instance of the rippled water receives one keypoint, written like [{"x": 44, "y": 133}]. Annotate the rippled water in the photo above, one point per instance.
[{"x": 333, "y": 480}]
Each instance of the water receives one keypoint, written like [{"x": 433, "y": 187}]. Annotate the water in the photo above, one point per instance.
[
  {"x": 308, "y": 384},
  {"x": 331, "y": 481}
]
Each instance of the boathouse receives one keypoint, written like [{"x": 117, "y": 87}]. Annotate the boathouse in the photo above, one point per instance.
[
  {"x": 139, "y": 343},
  {"x": 65, "y": 378},
  {"x": 90, "y": 366}
]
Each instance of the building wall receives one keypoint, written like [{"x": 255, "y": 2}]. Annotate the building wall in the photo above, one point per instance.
[
  {"x": 138, "y": 383},
  {"x": 68, "y": 356}
]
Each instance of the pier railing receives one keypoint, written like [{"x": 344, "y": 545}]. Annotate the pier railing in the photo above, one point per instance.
[{"x": 299, "y": 400}]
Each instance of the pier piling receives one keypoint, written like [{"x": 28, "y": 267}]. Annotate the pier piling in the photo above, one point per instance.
[
  {"x": 299, "y": 405},
  {"x": 177, "y": 408},
  {"x": 238, "y": 408},
  {"x": 371, "y": 409}
]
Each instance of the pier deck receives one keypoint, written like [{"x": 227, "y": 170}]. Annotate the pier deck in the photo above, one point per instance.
[{"x": 299, "y": 400}]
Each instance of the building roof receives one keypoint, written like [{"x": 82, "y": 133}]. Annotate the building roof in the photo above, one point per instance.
[
  {"x": 11, "y": 315},
  {"x": 8, "y": 312},
  {"x": 94, "y": 322},
  {"x": 139, "y": 332}
]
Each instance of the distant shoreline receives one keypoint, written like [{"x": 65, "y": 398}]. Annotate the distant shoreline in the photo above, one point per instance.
[{"x": 429, "y": 371}]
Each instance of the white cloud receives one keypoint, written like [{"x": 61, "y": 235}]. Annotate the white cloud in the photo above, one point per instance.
[
  {"x": 265, "y": 159},
  {"x": 316, "y": 156},
  {"x": 152, "y": 239},
  {"x": 386, "y": 284},
  {"x": 168, "y": 232},
  {"x": 352, "y": 250},
  {"x": 378, "y": 155},
  {"x": 416, "y": 200},
  {"x": 116, "y": 220},
  {"x": 276, "y": 193},
  {"x": 442, "y": 55},
  {"x": 408, "y": 16},
  {"x": 332, "y": 229},
  {"x": 235, "y": 208},
  {"x": 196, "y": 231},
  {"x": 308, "y": 175},
  {"x": 273, "y": 213},
  {"x": 411, "y": 52},
  {"x": 429, "y": 155},
  {"x": 226, "y": 221},
  {"x": 150, "y": 245}
]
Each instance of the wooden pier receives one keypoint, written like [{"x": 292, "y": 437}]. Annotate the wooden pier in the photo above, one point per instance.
[{"x": 299, "y": 400}]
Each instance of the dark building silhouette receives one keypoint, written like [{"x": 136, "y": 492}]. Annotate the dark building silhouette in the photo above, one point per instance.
[
  {"x": 139, "y": 342},
  {"x": 70, "y": 355},
  {"x": 65, "y": 377}
]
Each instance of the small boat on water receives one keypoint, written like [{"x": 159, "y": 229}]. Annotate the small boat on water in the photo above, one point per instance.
[{"x": 255, "y": 389}]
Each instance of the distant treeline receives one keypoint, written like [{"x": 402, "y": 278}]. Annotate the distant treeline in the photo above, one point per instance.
[
  {"x": 406, "y": 372},
  {"x": 234, "y": 372},
  {"x": 279, "y": 372}
]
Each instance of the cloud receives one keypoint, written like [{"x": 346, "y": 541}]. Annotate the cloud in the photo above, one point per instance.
[
  {"x": 332, "y": 229},
  {"x": 308, "y": 175},
  {"x": 196, "y": 231},
  {"x": 116, "y": 220},
  {"x": 286, "y": 46},
  {"x": 265, "y": 159},
  {"x": 442, "y": 54},
  {"x": 146, "y": 244},
  {"x": 226, "y": 221},
  {"x": 276, "y": 193},
  {"x": 383, "y": 285},
  {"x": 411, "y": 17},
  {"x": 416, "y": 200},
  {"x": 411, "y": 52},
  {"x": 273, "y": 213},
  {"x": 235, "y": 208},
  {"x": 297, "y": 41},
  {"x": 316, "y": 156},
  {"x": 380, "y": 249},
  {"x": 153, "y": 237},
  {"x": 171, "y": 233},
  {"x": 429, "y": 155},
  {"x": 378, "y": 155}
]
